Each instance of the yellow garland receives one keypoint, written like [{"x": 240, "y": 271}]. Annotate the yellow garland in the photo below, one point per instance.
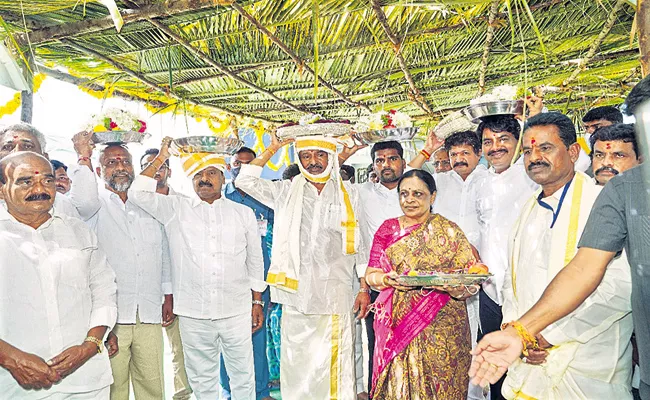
[{"x": 12, "y": 105}]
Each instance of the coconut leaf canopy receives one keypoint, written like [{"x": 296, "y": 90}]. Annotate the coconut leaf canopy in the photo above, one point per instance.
[{"x": 277, "y": 60}]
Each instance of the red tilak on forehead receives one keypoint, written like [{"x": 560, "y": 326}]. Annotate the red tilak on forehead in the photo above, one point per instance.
[
  {"x": 15, "y": 137},
  {"x": 118, "y": 158},
  {"x": 35, "y": 172},
  {"x": 532, "y": 141},
  {"x": 609, "y": 146}
]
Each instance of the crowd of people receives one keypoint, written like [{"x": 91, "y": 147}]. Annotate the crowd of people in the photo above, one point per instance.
[{"x": 256, "y": 280}]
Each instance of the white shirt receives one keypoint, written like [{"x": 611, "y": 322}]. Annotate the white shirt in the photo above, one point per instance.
[
  {"x": 56, "y": 285},
  {"x": 378, "y": 203},
  {"x": 326, "y": 274},
  {"x": 137, "y": 249},
  {"x": 499, "y": 203},
  {"x": 456, "y": 200},
  {"x": 215, "y": 249}
]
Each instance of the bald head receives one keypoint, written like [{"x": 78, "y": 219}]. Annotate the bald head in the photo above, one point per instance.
[{"x": 9, "y": 163}]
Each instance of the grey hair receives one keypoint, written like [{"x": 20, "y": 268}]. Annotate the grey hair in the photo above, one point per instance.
[{"x": 24, "y": 127}]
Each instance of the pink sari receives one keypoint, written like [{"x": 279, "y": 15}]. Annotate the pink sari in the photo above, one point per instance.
[{"x": 391, "y": 339}]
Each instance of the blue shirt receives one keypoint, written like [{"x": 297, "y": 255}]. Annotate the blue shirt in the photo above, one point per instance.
[{"x": 261, "y": 211}]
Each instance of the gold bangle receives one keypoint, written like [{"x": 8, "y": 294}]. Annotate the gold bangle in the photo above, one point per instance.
[{"x": 383, "y": 280}]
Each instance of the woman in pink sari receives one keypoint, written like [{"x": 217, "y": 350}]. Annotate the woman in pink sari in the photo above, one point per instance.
[{"x": 422, "y": 337}]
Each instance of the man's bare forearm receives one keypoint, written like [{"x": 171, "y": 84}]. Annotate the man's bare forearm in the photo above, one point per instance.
[{"x": 570, "y": 288}]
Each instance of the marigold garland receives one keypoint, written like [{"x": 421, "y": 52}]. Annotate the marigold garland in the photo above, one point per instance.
[{"x": 12, "y": 105}]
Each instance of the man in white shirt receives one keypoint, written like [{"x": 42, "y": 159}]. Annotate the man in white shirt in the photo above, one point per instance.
[
  {"x": 587, "y": 354},
  {"x": 217, "y": 266},
  {"x": 58, "y": 295},
  {"x": 456, "y": 201},
  {"x": 63, "y": 182},
  {"x": 25, "y": 137},
  {"x": 501, "y": 195},
  {"x": 182, "y": 389},
  {"x": 441, "y": 162},
  {"x": 315, "y": 244},
  {"x": 136, "y": 246}
]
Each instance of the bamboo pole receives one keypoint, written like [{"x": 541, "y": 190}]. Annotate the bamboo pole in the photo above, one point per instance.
[
  {"x": 611, "y": 20},
  {"x": 27, "y": 96},
  {"x": 415, "y": 95},
  {"x": 643, "y": 26},
  {"x": 297, "y": 60},
  {"x": 489, "y": 38}
]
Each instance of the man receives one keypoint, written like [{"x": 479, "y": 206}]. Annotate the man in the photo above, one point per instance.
[
  {"x": 61, "y": 173},
  {"x": 618, "y": 220},
  {"x": 591, "y": 355},
  {"x": 182, "y": 390},
  {"x": 348, "y": 173},
  {"x": 216, "y": 265},
  {"x": 58, "y": 296},
  {"x": 137, "y": 250},
  {"x": 600, "y": 117},
  {"x": 372, "y": 175},
  {"x": 614, "y": 151},
  {"x": 264, "y": 217},
  {"x": 379, "y": 202},
  {"x": 290, "y": 172},
  {"x": 315, "y": 243},
  {"x": 25, "y": 137},
  {"x": 457, "y": 194},
  {"x": 441, "y": 161},
  {"x": 501, "y": 196}
]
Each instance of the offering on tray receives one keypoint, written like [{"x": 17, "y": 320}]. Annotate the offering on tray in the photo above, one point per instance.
[
  {"x": 314, "y": 125},
  {"x": 384, "y": 126},
  {"x": 117, "y": 126},
  {"x": 206, "y": 144},
  {"x": 475, "y": 275}
]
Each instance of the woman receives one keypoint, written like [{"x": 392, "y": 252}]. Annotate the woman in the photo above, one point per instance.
[{"x": 422, "y": 337}]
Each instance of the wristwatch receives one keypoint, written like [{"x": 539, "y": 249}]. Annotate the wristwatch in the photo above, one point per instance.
[
  {"x": 97, "y": 342},
  {"x": 258, "y": 302}
]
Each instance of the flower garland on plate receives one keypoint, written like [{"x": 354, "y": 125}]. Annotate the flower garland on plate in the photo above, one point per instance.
[
  {"x": 116, "y": 120},
  {"x": 383, "y": 120}
]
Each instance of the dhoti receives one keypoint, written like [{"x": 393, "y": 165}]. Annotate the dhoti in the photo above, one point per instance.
[{"x": 317, "y": 356}]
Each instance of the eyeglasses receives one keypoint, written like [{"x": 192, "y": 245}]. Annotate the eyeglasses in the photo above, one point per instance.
[{"x": 438, "y": 164}]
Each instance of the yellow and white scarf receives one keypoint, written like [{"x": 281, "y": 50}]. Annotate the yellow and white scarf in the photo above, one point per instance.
[{"x": 286, "y": 241}]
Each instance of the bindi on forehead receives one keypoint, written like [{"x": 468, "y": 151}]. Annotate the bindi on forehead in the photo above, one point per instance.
[
  {"x": 533, "y": 141},
  {"x": 35, "y": 172},
  {"x": 608, "y": 146}
]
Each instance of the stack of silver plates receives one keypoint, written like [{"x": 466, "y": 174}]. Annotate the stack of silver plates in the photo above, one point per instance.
[
  {"x": 333, "y": 129},
  {"x": 504, "y": 107},
  {"x": 206, "y": 144},
  {"x": 119, "y": 137},
  {"x": 385, "y": 135}
]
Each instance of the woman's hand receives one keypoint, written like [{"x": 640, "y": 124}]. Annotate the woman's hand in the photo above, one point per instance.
[
  {"x": 458, "y": 292},
  {"x": 390, "y": 280}
]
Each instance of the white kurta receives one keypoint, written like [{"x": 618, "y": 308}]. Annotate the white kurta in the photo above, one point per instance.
[
  {"x": 56, "y": 285},
  {"x": 591, "y": 357},
  {"x": 321, "y": 366},
  {"x": 501, "y": 198}
]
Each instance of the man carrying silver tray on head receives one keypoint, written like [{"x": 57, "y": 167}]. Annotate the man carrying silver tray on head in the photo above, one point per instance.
[
  {"x": 216, "y": 265},
  {"x": 316, "y": 242}
]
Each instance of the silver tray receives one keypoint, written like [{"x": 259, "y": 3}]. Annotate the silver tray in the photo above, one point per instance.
[
  {"x": 443, "y": 279},
  {"x": 333, "y": 129},
  {"x": 119, "y": 137},
  {"x": 504, "y": 107},
  {"x": 454, "y": 122},
  {"x": 385, "y": 135},
  {"x": 206, "y": 144}
]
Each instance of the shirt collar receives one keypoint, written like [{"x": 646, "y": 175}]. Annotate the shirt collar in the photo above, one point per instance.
[
  {"x": 6, "y": 216},
  {"x": 196, "y": 201},
  {"x": 230, "y": 188}
]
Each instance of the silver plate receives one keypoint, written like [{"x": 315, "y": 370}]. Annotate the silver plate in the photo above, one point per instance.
[
  {"x": 119, "y": 137},
  {"x": 454, "y": 122},
  {"x": 333, "y": 129},
  {"x": 505, "y": 107},
  {"x": 206, "y": 144},
  {"x": 443, "y": 279},
  {"x": 385, "y": 135}
]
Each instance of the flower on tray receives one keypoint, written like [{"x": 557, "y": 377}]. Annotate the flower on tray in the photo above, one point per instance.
[
  {"x": 499, "y": 93},
  {"x": 383, "y": 120},
  {"x": 116, "y": 120}
]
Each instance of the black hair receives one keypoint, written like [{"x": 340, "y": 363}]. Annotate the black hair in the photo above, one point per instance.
[
  {"x": 608, "y": 113},
  {"x": 291, "y": 171},
  {"x": 248, "y": 150},
  {"x": 468, "y": 138},
  {"x": 151, "y": 152},
  {"x": 637, "y": 96},
  {"x": 349, "y": 169},
  {"x": 58, "y": 164},
  {"x": 564, "y": 125},
  {"x": 622, "y": 132},
  {"x": 421, "y": 174},
  {"x": 498, "y": 124},
  {"x": 392, "y": 144}
]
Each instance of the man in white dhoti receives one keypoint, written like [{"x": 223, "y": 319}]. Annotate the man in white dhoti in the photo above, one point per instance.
[
  {"x": 587, "y": 354},
  {"x": 58, "y": 292},
  {"x": 217, "y": 272},
  {"x": 501, "y": 194},
  {"x": 315, "y": 242}
]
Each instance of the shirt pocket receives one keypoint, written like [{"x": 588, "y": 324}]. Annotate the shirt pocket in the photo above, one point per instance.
[
  {"x": 333, "y": 217},
  {"x": 74, "y": 267},
  {"x": 151, "y": 231}
]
